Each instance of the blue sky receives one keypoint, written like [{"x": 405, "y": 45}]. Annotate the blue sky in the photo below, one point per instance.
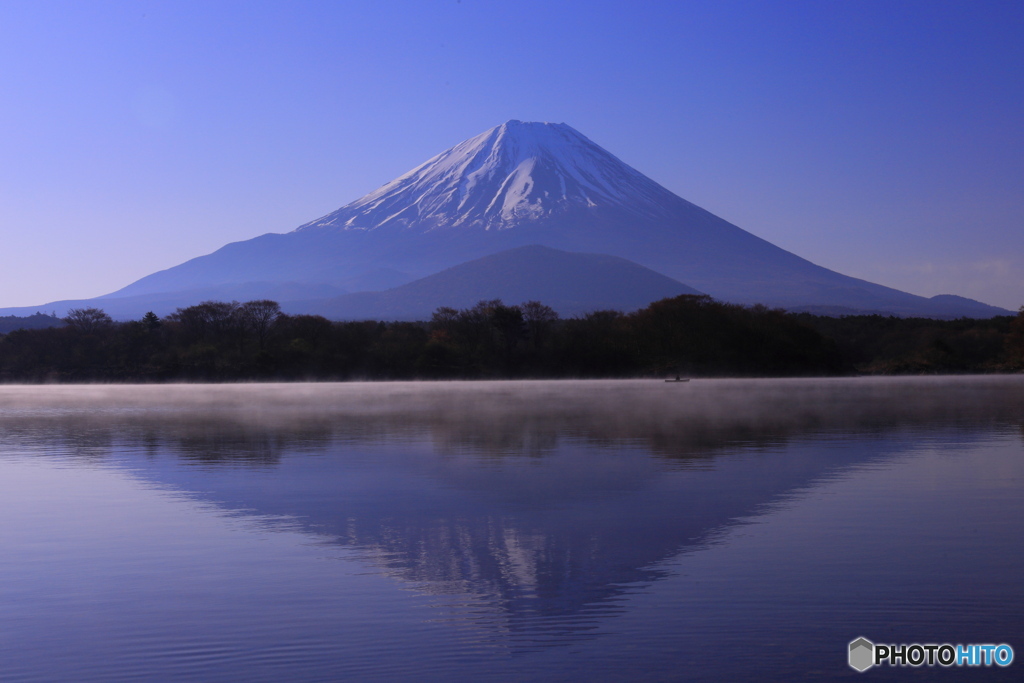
[{"x": 880, "y": 139}]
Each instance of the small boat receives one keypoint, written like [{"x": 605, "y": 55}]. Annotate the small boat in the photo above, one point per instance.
[{"x": 679, "y": 379}]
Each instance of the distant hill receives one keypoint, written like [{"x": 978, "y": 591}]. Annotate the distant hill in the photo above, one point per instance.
[
  {"x": 38, "y": 321},
  {"x": 568, "y": 282},
  {"x": 939, "y": 307}
]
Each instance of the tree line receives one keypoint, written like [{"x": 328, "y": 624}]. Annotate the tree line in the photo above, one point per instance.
[{"x": 685, "y": 335}]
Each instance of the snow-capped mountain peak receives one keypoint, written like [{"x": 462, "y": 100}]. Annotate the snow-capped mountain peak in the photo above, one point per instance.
[{"x": 515, "y": 172}]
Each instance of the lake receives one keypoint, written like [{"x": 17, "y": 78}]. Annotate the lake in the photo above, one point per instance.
[{"x": 741, "y": 530}]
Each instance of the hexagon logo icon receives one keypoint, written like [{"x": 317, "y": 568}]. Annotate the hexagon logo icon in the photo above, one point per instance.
[{"x": 862, "y": 654}]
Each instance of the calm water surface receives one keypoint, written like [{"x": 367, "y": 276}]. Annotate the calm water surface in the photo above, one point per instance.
[{"x": 715, "y": 530}]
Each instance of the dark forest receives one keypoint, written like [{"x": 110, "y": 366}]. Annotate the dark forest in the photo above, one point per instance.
[{"x": 691, "y": 336}]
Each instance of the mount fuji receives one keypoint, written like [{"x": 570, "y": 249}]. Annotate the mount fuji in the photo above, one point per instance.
[{"x": 516, "y": 185}]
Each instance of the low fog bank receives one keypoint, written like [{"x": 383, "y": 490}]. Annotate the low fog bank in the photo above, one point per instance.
[{"x": 519, "y": 416}]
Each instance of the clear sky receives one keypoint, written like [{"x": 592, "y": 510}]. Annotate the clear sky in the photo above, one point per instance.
[{"x": 884, "y": 140}]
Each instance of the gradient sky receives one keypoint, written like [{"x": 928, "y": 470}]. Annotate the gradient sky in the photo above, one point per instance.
[{"x": 884, "y": 140}]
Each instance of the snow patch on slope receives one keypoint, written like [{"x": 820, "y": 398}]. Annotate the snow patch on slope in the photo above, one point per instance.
[{"x": 513, "y": 173}]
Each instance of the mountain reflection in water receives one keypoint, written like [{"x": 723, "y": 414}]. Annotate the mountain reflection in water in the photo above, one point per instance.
[{"x": 541, "y": 502}]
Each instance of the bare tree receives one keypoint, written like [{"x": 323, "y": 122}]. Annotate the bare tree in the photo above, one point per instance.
[
  {"x": 206, "y": 320},
  {"x": 259, "y": 316},
  {"x": 444, "y": 321},
  {"x": 88, "y": 320},
  {"x": 536, "y": 312},
  {"x": 539, "y": 319}
]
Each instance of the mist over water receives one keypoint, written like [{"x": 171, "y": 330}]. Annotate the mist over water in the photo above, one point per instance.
[
  {"x": 593, "y": 409},
  {"x": 606, "y": 530}
]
